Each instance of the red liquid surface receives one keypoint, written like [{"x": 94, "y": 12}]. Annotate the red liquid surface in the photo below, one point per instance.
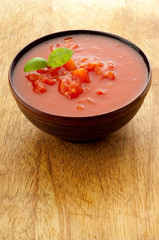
[{"x": 130, "y": 78}]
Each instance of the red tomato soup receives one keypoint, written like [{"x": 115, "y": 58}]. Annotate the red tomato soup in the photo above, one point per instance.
[{"x": 103, "y": 75}]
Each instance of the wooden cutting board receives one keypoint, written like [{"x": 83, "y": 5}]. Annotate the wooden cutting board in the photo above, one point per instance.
[{"x": 54, "y": 190}]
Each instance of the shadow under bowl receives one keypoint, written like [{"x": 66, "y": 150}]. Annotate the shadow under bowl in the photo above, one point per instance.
[{"x": 80, "y": 129}]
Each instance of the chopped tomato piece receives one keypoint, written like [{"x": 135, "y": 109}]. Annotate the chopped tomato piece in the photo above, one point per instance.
[
  {"x": 61, "y": 72},
  {"x": 38, "y": 87},
  {"x": 70, "y": 65},
  {"x": 82, "y": 74},
  {"x": 100, "y": 92},
  {"x": 32, "y": 77},
  {"x": 110, "y": 75},
  {"x": 63, "y": 86},
  {"x": 58, "y": 45},
  {"x": 88, "y": 66},
  {"x": 100, "y": 64},
  {"x": 69, "y": 88},
  {"x": 97, "y": 69},
  {"x": 46, "y": 79},
  {"x": 110, "y": 65},
  {"x": 53, "y": 71},
  {"x": 43, "y": 70},
  {"x": 74, "y": 90}
]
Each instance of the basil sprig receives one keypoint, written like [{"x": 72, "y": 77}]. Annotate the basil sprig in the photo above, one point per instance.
[
  {"x": 35, "y": 64},
  {"x": 57, "y": 58}
]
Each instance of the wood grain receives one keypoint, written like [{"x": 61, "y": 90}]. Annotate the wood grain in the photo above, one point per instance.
[{"x": 52, "y": 189}]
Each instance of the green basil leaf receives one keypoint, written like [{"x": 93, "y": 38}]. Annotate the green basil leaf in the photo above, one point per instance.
[
  {"x": 59, "y": 57},
  {"x": 35, "y": 64}
]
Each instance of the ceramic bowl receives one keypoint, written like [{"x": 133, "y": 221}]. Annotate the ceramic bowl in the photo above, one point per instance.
[{"x": 80, "y": 129}]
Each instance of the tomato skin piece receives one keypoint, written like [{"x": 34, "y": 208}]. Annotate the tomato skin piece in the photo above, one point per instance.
[
  {"x": 75, "y": 47},
  {"x": 100, "y": 92},
  {"x": 90, "y": 100},
  {"x": 110, "y": 75},
  {"x": 81, "y": 74},
  {"x": 79, "y": 106},
  {"x": 74, "y": 90},
  {"x": 68, "y": 39},
  {"x": 70, "y": 65},
  {"x": 52, "y": 48},
  {"x": 84, "y": 59}
]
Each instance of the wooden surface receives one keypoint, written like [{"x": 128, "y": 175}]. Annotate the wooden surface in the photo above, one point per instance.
[{"x": 54, "y": 190}]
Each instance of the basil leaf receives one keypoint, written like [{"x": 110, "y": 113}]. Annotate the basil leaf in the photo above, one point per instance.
[
  {"x": 59, "y": 57},
  {"x": 35, "y": 64}
]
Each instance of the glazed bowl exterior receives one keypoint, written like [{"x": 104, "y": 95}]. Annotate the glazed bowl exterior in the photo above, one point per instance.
[{"x": 80, "y": 129}]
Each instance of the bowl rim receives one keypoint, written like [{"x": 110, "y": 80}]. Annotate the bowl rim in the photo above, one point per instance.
[{"x": 47, "y": 37}]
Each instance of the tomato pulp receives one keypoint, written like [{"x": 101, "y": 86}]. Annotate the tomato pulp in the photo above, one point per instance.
[{"x": 103, "y": 75}]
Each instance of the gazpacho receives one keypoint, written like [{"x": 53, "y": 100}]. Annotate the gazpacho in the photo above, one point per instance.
[{"x": 102, "y": 75}]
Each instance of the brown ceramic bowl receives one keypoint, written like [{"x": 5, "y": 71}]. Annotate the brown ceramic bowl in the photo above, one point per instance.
[{"x": 80, "y": 129}]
